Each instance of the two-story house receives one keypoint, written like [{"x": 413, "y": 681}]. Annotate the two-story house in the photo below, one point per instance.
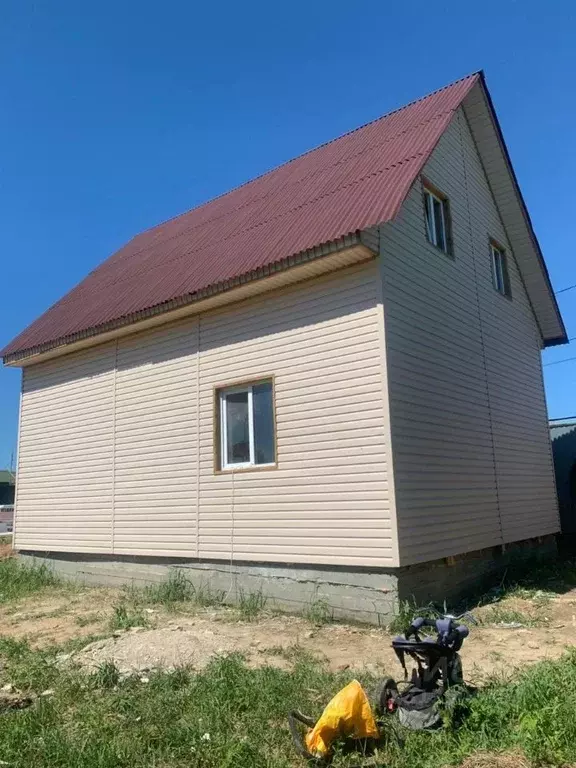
[{"x": 323, "y": 384}]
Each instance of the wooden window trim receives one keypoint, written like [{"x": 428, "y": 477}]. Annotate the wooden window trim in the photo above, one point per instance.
[
  {"x": 239, "y": 386},
  {"x": 428, "y": 186},
  {"x": 494, "y": 245}
]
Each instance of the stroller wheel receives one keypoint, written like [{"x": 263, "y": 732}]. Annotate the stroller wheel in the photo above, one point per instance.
[{"x": 385, "y": 697}]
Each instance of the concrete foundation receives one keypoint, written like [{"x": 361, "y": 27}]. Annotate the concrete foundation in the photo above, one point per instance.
[
  {"x": 456, "y": 578},
  {"x": 362, "y": 595}
]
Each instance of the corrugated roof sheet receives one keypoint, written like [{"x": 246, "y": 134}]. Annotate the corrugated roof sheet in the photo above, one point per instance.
[
  {"x": 7, "y": 477},
  {"x": 346, "y": 185},
  {"x": 561, "y": 427}
]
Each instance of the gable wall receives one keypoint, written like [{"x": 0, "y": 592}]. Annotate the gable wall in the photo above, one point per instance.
[
  {"x": 472, "y": 461},
  {"x": 117, "y": 442}
]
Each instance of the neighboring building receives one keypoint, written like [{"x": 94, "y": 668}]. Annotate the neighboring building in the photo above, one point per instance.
[
  {"x": 326, "y": 383},
  {"x": 7, "y": 483},
  {"x": 563, "y": 436}
]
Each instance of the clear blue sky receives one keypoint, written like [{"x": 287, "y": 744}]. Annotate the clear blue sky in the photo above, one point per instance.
[{"x": 116, "y": 116}]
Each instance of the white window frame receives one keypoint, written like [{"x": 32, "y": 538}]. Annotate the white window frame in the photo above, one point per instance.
[
  {"x": 222, "y": 395},
  {"x": 430, "y": 219},
  {"x": 498, "y": 259}
]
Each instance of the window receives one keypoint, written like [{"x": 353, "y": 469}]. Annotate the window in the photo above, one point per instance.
[
  {"x": 246, "y": 426},
  {"x": 437, "y": 216},
  {"x": 500, "y": 270}
]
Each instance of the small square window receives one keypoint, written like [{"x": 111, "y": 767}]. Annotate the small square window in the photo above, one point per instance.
[
  {"x": 437, "y": 217},
  {"x": 246, "y": 426},
  {"x": 500, "y": 276}
]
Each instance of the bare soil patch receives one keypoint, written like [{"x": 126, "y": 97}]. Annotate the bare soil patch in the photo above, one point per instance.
[
  {"x": 176, "y": 639},
  {"x": 57, "y": 616}
]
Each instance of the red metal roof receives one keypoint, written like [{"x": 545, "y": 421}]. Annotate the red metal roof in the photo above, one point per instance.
[{"x": 353, "y": 182}]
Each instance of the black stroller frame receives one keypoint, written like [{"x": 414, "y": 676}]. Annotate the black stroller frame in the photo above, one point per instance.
[{"x": 438, "y": 665}]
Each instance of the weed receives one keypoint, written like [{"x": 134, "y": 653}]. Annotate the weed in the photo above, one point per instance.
[
  {"x": 206, "y": 597},
  {"x": 407, "y": 611},
  {"x": 106, "y": 676},
  {"x": 250, "y": 604},
  {"x": 176, "y": 589},
  {"x": 174, "y": 592},
  {"x": 125, "y": 617},
  {"x": 18, "y": 580},
  {"x": 499, "y": 614},
  {"x": 319, "y": 612}
]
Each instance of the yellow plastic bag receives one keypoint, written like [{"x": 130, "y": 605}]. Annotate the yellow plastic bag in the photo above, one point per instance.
[{"x": 348, "y": 714}]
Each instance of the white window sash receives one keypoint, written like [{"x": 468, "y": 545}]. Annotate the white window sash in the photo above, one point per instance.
[
  {"x": 224, "y": 464},
  {"x": 442, "y": 218},
  {"x": 430, "y": 197},
  {"x": 498, "y": 270},
  {"x": 430, "y": 222},
  {"x": 251, "y": 426}
]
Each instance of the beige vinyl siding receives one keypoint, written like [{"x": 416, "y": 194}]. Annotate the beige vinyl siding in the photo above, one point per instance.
[
  {"x": 65, "y": 456},
  {"x": 327, "y": 502},
  {"x": 328, "y": 499},
  {"x": 512, "y": 342},
  {"x": 468, "y": 417},
  {"x": 156, "y": 442}
]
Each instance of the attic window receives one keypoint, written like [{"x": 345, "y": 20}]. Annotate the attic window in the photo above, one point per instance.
[
  {"x": 437, "y": 217},
  {"x": 500, "y": 276}
]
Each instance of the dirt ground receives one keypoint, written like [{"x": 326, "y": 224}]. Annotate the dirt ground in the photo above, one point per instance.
[{"x": 173, "y": 639}]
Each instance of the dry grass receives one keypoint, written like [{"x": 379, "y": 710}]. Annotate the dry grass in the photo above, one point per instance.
[{"x": 494, "y": 760}]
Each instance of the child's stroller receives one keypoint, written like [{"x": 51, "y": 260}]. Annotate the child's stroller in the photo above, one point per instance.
[
  {"x": 438, "y": 669},
  {"x": 435, "y": 684}
]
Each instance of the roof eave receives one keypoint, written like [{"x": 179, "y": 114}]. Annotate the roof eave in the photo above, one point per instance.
[
  {"x": 562, "y": 338},
  {"x": 165, "y": 310}
]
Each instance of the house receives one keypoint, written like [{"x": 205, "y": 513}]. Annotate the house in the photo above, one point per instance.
[
  {"x": 325, "y": 384},
  {"x": 563, "y": 437},
  {"x": 7, "y": 482}
]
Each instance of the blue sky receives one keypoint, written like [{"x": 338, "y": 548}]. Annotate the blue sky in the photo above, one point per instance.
[{"x": 119, "y": 115}]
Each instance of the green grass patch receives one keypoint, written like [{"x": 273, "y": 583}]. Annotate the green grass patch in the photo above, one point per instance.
[
  {"x": 18, "y": 580},
  {"x": 500, "y": 614},
  {"x": 175, "y": 592},
  {"x": 126, "y": 616},
  {"x": 231, "y": 716},
  {"x": 250, "y": 604}
]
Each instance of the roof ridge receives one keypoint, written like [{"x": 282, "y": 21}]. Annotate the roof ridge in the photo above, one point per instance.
[
  {"x": 308, "y": 151},
  {"x": 195, "y": 227}
]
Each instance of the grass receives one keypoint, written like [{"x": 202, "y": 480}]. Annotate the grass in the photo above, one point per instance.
[
  {"x": 319, "y": 612},
  {"x": 174, "y": 593},
  {"x": 406, "y": 612},
  {"x": 499, "y": 614},
  {"x": 535, "y": 579},
  {"x": 231, "y": 716},
  {"x": 538, "y": 579},
  {"x": 250, "y": 604},
  {"x": 18, "y": 580},
  {"x": 125, "y": 617},
  {"x": 177, "y": 593}
]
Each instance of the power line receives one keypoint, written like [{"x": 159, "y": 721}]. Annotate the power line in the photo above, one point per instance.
[
  {"x": 563, "y": 290},
  {"x": 557, "y": 362}
]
